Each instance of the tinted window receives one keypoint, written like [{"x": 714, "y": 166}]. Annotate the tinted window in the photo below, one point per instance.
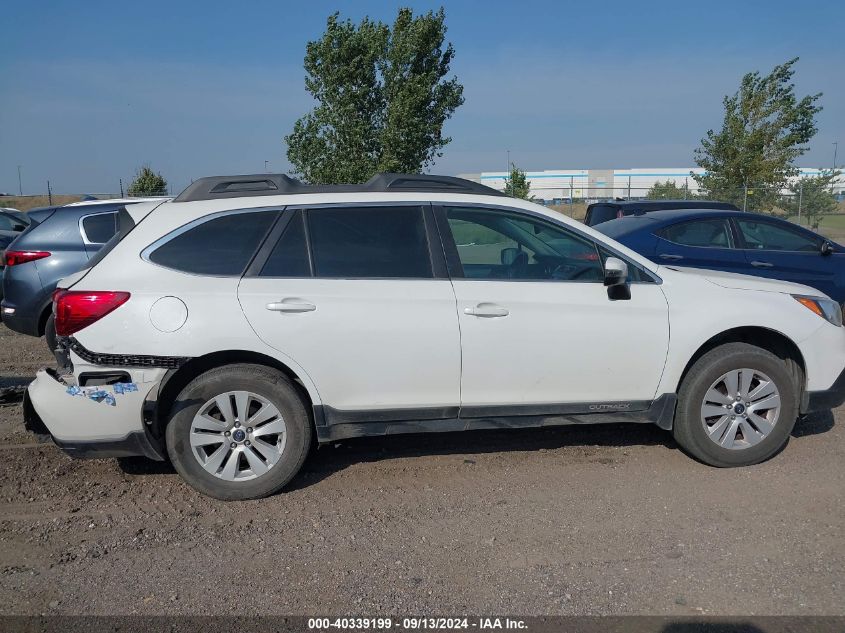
[
  {"x": 99, "y": 228},
  {"x": 221, "y": 246},
  {"x": 603, "y": 213},
  {"x": 125, "y": 224},
  {"x": 6, "y": 223},
  {"x": 712, "y": 233},
  {"x": 369, "y": 242},
  {"x": 766, "y": 236},
  {"x": 289, "y": 257},
  {"x": 499, "y": 245}
]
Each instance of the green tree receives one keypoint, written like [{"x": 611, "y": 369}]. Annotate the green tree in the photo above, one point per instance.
[
  {"x": 668, "y": 191},
  {"x": 148, "y": 183},
  {"x": 382, "y": 99},
  {"x": 813, "y": 196},
  {"x": 517, "y": 185},
  {"x": 765, "y": 128}
]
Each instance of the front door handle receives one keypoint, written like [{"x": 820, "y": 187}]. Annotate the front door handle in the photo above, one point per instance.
[
  {"x": 291, "y": 305},
  {"x": 759, "y": 264},
  {"x": 487, "y": 311},
  {"x": 674, "y": 258}
]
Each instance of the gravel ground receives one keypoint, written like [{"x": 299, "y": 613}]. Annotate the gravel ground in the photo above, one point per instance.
[{"x": 574, "y": 520}]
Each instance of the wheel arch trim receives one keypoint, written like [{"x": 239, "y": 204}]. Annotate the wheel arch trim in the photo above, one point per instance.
[
  {"x": 176, "y": 379},
  {"x": 764, "y": 337}
]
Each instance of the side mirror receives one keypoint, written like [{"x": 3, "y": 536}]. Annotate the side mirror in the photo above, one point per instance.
[
  {"x": 615, "y": 272},
  {"x": 827, "y": 248}
]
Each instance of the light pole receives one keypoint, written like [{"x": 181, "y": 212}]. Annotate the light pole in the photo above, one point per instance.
[
  {"x": 835, "y": 149},
  {"x": 267, "y": 169},
  {"x": 20, "y": 188}
]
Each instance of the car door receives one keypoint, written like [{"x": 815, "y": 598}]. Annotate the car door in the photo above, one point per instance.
[
  {"x": 538, "y": 329},
  {"x": 792, "y": 254},
  {"x": 361, "y": 300},
  {"x": 700, "y": 243}
]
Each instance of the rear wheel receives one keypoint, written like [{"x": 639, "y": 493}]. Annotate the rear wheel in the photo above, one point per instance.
[
  {"x": 737, "y": 406},
  {"x": 239, "y": 432},
  {"x": 50, "y": 332}
]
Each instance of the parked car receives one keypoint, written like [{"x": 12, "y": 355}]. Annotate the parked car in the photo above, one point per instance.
[
  {"x": 599, "y": 212},
  {"x": 228, "y": 327},
  {"x": 18, "y": 219},
  {"x": 736, "y": 242},
  {"x": 57, "y": 242},
  {"x": 12, "y": 223}
]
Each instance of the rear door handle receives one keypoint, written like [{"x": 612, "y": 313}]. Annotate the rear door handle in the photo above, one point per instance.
[
  {"x": 672, "y": 257},
  {"x": 487, "y": 310},
  {"x": 758, "y": 264},
  {"x": 291, "y": 305}
]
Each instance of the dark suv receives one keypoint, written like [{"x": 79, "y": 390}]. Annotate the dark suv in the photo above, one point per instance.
[
  {"x": 58, "y": 242},
  {"x": 599, "y": 212}
]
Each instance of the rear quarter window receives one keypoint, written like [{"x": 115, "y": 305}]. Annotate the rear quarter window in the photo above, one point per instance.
[
  {"x": 602, "y": 213},
  {"x": 99, "y": 228},
  {"x": 220, "y": 246}
]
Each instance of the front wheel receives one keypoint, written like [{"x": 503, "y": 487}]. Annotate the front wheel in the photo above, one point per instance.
[
  {"x": 737, "y": 406},
  {"x": 239, "y": 432}
]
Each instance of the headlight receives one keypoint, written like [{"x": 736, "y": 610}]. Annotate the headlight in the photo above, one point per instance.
[{"x": 828, "y": 310}]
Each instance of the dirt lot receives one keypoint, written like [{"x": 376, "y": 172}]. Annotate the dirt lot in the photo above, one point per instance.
[{"x": 577, "y": 520}]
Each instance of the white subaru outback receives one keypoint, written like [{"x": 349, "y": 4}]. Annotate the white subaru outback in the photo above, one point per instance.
[{"x": 229, "y": 327}]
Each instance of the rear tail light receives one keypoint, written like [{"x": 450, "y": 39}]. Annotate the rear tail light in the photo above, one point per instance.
[
  {"x": 13, "y": 258},
  {"x": 77, "y": 309}
]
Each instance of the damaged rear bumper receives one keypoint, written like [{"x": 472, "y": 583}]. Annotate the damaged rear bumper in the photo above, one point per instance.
[{"x": 99, "y": 421}]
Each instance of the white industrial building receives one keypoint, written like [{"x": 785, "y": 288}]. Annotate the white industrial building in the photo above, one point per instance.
[{"x": 558, "y": 185}]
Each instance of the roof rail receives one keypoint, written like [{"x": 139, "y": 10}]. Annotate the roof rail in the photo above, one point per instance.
[{"x": 220, "y": 187}]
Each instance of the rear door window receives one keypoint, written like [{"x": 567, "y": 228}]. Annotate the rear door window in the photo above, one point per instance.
[
  {"x": 219, "y": 246},
  {"x": 289, "y": 257},
  {"x": 713, "y": 233},
  {"x": 99, "y": 228},
  {"x": 384, "y": 242}
]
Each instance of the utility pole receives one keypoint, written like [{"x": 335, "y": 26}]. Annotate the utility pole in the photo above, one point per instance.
[
  {"x": 629, "y": 187},
  {"x": 835, "y": 149},
  {"x": 20, "y": 188},
  {"x": 49, "y": 194},
  {"x": 800, "y": 198},
  {"x": 121, "y": 187},
  {"x": 266, "y": 162}
]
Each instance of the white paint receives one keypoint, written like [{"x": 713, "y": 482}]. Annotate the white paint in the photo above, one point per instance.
[
  {"x": 374, "y": 344},
  {"x": 168, "y": 314}
]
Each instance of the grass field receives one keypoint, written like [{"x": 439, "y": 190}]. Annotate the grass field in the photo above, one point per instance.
[
  {"x": 831, "y": 226},
  {"x": 25, "y": 203}
]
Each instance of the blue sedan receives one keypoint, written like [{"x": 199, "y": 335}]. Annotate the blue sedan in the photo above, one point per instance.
[{"x": 737, "y": 242}]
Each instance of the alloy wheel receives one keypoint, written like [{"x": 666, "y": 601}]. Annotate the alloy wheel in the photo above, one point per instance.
[
  {"x": 238, "y": 435},
  {"x": 740, "y": 409}
]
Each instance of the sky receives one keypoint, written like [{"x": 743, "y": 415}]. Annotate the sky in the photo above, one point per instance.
[{"x": 93, "y": 90}]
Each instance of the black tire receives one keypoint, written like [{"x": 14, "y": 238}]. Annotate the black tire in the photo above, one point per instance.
[
  {"x": 688, "y": 428},
  {"x": 50, "y": 333},
  {"x": 263, "y": 381}
]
